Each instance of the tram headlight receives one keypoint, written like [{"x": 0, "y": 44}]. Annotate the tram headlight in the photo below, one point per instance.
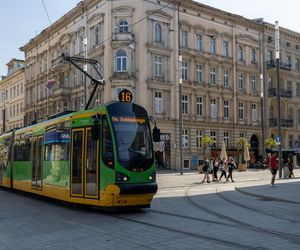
[
  {"x": 152, "y": 177},
  {"x": 120, "y": 177}
]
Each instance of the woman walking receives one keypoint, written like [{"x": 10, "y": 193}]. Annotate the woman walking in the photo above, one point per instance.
[
  {"x": 222, "y": 169},
  {"x": 215, "y": 169},
  {"x": 290, "y": 165}
]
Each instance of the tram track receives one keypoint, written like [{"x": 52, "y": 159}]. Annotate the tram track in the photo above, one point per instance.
[
  {"x": 255, "y": 209},
  {"x": 282, "y": 235},
  {"x": 230, "y": 244}
]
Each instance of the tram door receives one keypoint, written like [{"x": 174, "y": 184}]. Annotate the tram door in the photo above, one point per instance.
[
  {"x": 84, "y": 164},
  {"x": 36, "y": 182}
]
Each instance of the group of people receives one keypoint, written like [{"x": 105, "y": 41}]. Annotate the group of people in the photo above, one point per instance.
[
  {"x": 212, "y": 166},
  {"x": 272, "y": 162}
]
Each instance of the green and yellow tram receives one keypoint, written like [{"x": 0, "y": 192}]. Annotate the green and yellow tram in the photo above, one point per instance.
[{"x": 102, "y": 157}]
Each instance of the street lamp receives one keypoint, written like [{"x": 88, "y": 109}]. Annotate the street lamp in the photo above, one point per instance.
[
  {"x": 277, "y": 49},
  {"x": 180, "y": 93}
]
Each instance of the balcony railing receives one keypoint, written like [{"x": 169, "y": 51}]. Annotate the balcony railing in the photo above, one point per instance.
[
  {"x": 283, "y": 92},
  {"x": 285, "y": 123},
  {"x": 283, "y": 65}
]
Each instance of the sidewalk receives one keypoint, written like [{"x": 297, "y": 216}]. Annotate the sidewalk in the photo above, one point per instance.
[{"x": 251, "y": 182}]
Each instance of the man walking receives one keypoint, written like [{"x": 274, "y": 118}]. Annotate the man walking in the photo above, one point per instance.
[{"x": 273, "y": 167}]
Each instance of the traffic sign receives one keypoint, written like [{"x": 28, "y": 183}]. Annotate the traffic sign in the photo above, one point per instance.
[{"x": 277, "y": 140}]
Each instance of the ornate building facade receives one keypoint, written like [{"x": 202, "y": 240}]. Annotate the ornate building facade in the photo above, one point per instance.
[
  {"x": 12, "y": 96},
  {"x": 138, "y": 44}
]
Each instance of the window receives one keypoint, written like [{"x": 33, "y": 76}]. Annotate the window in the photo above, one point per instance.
[
  {"x": 186, "y": 164},
  {"x": 81, "y": 43},
  {"x": 198, "y": 138},
  {"x": 199, "y": 105},
  {"x": 253, "y": 55},
  {"x": 213, "y": 135},
  {"x": 157, "y": 65},
  {"x": 298, "y": 89},
  {"x": 158, "y": 102},
  {"x": 184, "y": 39},
  {"x": 213, "y": 45},
  {"x": 185, "y": 138},
  {"x": 225, "y": 48},
  {"x": 298, "y": 116},
  {"x": 242, "y": 135},
  {"x": 107, "y": 144},
  {"x": 213, "y": 108},
  {"x": 297, "y": 65},
  {"x": 185, "y": 104},
  {"x": 226, "y": 138},
  {"x": 270, "y": 55},
  {"x": 22, "y": 148},
  {"x": 213, "y": 76},
  {"x": 123, "y": 26},
  {"x": 289, "y": 86},
  {"x": 226, "y": 78},
  {"x": 240, "y": 81},
  {"x": 184, "y": 70},
  {"x": 158, "y": 33},
  {"x": 121, "y": 61},
  {"x": 291, "y": 114},
  {"x": 198, "y": 42},
  {"x": 241, "y": 111},
  {"x": 253, "y": 84},
  {"x": 270, "y": 82},
  {"x": 289, "y": 60},
  {"x": 199, "y": 73},
  {"x": 226, "y": 109},
  {"x": 253, "y": 112},
  {"x": 240, "y": 54},
  {"x": 97, "y": 36}
]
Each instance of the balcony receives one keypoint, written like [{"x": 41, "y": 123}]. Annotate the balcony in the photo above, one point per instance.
[
  {"x": 285, "y": 123},
  {"x": 283, "y": 65},
  {"x": 286, "y": 93}
]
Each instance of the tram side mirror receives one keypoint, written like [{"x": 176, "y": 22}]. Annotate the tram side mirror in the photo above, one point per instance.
[
  {"x": 95, "y": 132},
  {"x": 156, "y": 134}
]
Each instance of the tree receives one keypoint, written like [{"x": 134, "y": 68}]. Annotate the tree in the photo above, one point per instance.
[
  {"x": 242, "y": 142},
  {"x": 206, "y": 141},
  {"x": 270, "y": 143}
]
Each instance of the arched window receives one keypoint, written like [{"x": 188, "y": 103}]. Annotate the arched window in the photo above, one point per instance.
[
  {"x": 158, "y": 33},
  {"x": 121, "y": 60},
  {"x": 97, "y": 36},
  {"x": 123, "y": 26}
]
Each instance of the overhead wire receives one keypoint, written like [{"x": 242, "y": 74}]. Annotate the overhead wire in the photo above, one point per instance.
[{"x": 46, "y": 12}]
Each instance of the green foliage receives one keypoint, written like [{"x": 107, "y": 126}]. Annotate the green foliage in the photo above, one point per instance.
[
  {"x": 242, "y": 143},
  {"x": 270, "y": 143}
]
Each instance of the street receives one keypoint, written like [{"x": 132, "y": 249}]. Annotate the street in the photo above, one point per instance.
[{"x": 246, "y": 214}]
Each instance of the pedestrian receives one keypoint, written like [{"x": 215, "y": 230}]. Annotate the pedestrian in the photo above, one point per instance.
[
  {"x": 206, "y": 171},
  {"x": 273, "y": 167},
  {"x": 215, "y": 169},
  {"x": 231, "y": 165},
  {"x": 222, "y": 168},
  {"x": 290, "y": 165}
]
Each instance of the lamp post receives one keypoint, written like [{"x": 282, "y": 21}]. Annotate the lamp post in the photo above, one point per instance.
[
  {"x": 180, "y": 93},
  {"x": 277, "y": 48},
  {"x": 85, "y": 69}
]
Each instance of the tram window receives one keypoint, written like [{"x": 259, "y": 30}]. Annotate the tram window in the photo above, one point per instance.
[
  {"x": 57, "y": 152},
  {"x": 107, "y": 145},
  {"x": 22, "y": 149}
]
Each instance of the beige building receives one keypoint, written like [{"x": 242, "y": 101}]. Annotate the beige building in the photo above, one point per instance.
[
  {"x": 12, "y": 96},
  {"x": 138, "y": 46}
]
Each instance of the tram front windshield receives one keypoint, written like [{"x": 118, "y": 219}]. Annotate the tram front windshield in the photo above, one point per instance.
[{"x": 132, "y": 133}]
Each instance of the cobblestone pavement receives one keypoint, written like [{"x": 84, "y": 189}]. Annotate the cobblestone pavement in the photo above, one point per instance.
[{"x": 185, "y": 214}]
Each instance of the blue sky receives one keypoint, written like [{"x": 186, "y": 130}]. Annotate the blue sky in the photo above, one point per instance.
[{"x": 21, "y": 20}]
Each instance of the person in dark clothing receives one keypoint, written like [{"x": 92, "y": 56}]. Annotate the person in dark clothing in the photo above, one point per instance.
[
  {"x": 215, "y": 169},
  {"x": 231, "y": 165},
  {"x": 222, "y": 168},
  {"x": 290, "y": 165}
]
